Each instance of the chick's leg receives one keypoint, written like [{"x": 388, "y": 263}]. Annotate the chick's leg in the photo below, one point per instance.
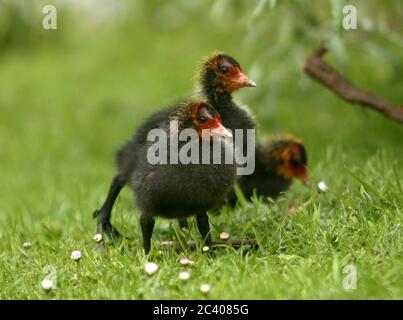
[
  {"x": 204, "y": 227},
  {"x": 183, "y": 223},
  {"x": 147, "y": 226},
  {"x": 105, "y": 212}
]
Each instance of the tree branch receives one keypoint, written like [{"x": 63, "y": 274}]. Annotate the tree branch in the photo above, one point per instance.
[{"x": 325, "y": 74}]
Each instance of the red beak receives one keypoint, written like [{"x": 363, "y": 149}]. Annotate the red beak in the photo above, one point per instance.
[
  {"x": 303, "y": 176},
  {"x": 300, "y": 173},
  {"x": 305, "y": 179},
  {"x": 217, "y": 132},
  {"x": 244, "y": 80}
]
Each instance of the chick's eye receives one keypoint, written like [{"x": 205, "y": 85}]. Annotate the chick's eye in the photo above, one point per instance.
[
  {"x": 294, "y": 160},
  {"x": 224, "y": 69},
  {"x": 202, "y": 119}
]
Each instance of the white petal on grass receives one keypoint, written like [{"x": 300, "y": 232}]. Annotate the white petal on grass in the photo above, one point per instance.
[
  {"x": 322, "y": 187},
  {"x": 47, "y": 284},
  {"x": 205, "y": 288},
  {"x": 151, "y": 268},
  {"x": 75, "y": 255},
  {"x": 206, "y": 248},
  {"x": 185, "y": 262},
  {"x": 224, "y": 235},
  {"x": 27, "y": 245},
  {"x": 184, "y": 275},
  {"x": 98, "y": 237}
]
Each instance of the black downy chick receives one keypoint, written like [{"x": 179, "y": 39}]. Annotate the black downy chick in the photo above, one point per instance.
[
  {"x": 177, "y": 190},
  {"x": 221, "y": 75},
  {"x": 277, "y": 163}
]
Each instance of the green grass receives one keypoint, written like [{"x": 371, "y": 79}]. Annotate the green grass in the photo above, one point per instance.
[{"x": 65, "y": 109}]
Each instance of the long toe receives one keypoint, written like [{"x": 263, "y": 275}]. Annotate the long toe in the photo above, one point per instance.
[{"x": 113, "y": 234}]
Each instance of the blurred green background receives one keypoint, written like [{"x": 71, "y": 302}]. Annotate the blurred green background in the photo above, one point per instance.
[
  {"x": 80, "y": 90},
  {"x": 70, "y": 97}
]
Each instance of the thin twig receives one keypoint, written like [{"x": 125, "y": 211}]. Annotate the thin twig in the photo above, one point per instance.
[{"x": 217, "y": 243}]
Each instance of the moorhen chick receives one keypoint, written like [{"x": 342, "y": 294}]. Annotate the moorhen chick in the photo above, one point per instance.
[
  {"x": 277, "y": 163},
  {"x": 178, "y": 190},
  {"x": 220, "y": 75}
]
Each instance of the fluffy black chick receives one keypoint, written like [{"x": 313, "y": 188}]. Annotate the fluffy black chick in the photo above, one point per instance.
[
  {"x": 220, "y": 76},
  {"x": 177, "y": 190},
  {"x": 277, "y": 163}
]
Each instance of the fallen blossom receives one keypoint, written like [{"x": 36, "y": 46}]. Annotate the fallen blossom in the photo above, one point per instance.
[
  {"x": 75, "y": 255},
  {"x": 185, "y": 261},
  {"x": 322, "y": 187},
  {"x": 26, "y": 245},
  {"x": 151, "y": 268},
  {"x": 184, "y": 275},
  {"x": 47, "y": 284},
  {"x": 205, "y": 288},
  {"x": 98, "y": 237},
  {"x": 224, "y": 235}
]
